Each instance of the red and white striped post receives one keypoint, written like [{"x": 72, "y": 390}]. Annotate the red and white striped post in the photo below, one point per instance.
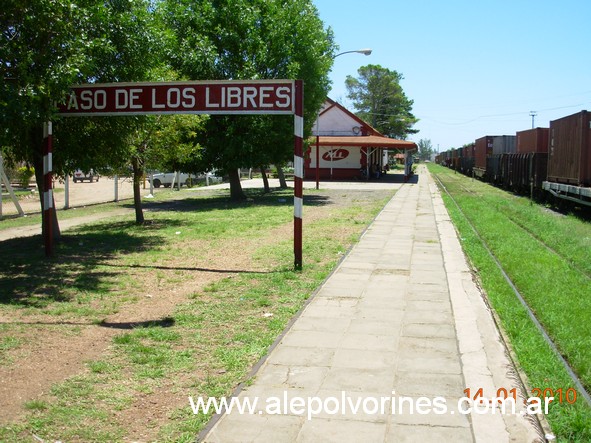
[
  {"x": 48, "y": 188},
  {"x": 298, "y": 163}
]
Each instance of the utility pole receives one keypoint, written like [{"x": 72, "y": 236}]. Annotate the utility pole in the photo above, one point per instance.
[{"x": 533, "y": 116}]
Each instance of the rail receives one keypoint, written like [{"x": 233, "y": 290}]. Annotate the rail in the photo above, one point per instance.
[{"x": 574, "y": 377}]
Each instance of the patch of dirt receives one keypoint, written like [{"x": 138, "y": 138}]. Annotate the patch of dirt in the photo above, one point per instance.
[
  {"x": 49, "y": 356},
  {"x": 149, "y": 412}
]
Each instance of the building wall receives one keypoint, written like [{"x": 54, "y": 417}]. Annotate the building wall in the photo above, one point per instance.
[
  {"x": 346, "y": 164},
  {"x": 335, "y": 121}
]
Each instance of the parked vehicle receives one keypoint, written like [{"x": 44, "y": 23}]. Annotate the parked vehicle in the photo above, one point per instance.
[
  {"x": 166, "y": 179},
  {"x": 80, "y": 176},
  {"x": 210, "y": 177}
]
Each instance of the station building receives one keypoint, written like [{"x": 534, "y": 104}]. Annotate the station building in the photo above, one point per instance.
[{"x": 344, "y": 147}]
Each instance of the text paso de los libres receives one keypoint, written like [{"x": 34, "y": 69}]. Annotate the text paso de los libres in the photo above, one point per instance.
[{"x": 227, "y": 97}]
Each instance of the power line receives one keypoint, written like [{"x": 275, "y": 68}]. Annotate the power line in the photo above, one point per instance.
[{"x": 464, "y": 122}]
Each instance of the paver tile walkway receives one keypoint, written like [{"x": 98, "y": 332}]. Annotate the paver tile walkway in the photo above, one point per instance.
[{"x": 400, "y": 318}]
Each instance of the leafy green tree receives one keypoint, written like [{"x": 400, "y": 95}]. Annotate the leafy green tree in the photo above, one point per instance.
[
  {"x": 44, "y": 47},
  {"x": 134, "y": 51},
  {"x": 251, "y": 39},
  {"x": 425, "y": 149},
  {"x": 49, "y": 45},
  {"x": 379, "y": 100},
  {"x": 176, "y": 145}
]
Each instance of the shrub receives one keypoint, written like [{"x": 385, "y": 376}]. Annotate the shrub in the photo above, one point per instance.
[{"x": 24, "y": 175}]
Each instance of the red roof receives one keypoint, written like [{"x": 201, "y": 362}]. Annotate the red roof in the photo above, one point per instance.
[{"x": 368, "y": 141}]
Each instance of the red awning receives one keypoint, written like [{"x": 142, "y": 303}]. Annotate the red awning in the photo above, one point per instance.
[{"x": 368, "y": 141}]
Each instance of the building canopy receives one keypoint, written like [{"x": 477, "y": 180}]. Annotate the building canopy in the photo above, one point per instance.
[{"x": 366, "y": 141}]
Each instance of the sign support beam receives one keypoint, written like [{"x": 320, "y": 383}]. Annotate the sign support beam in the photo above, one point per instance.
[
  {"x": 48, "y": 187},
  {"x": 298, "y": 163},
  {"x": 279, "y": 97}
]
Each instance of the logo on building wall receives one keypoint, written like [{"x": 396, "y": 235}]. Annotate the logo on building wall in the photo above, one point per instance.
[{"x": 335, "y": 155}]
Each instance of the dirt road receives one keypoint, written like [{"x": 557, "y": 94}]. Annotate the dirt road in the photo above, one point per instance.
[{"x": 80, "y": 194}]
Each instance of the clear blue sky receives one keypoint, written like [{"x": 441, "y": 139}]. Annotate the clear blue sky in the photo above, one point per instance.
[{"x": 472, "y": 67}]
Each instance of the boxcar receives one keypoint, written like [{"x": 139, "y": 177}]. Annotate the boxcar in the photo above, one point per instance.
[
  {"x": 569, "y": 151},
  {"x": 532, "y": 140}
]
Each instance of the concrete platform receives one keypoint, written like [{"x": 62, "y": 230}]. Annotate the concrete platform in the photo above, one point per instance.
[{"x": 400, "y": 318}]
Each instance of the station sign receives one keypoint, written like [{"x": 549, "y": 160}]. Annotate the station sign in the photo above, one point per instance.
[{"x": 191, "y": 97}]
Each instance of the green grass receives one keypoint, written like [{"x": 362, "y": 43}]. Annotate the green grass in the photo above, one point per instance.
[
  {"x": 19, "y": 193},
  {"x": 211, "y": 340},
  {"x": 7, "y": 343},
  {"x": 553, "y": 281}
]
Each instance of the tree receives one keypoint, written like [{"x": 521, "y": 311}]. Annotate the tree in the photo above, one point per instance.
[
  {"x": 176, "y": 144},
  {"x": 49, "y": 45},
  {"x": 134, "y": 52},
  {"x": 251, "y": 39},
  {"x": 44, "y": 46},
  {"x": 425, "y": 149},
  {"x": 380, "y": 101}
]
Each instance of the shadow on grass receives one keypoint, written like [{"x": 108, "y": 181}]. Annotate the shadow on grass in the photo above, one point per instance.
[
  {"x": 29, "y": 279},
  {"x": 165, "y": 322},
  {"x": 190, "y": 268},
  {"x": 80, "y": 264},
  {"x": 126, "y": 226},
  {"x": 255, "y": 197}
]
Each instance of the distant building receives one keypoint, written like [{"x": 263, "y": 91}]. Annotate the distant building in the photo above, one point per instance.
[{"x": 347, "y": 146}]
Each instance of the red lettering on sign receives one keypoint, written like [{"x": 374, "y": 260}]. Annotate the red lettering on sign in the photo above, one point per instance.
[
  {"x": 198, "y": 97},
  {"x": 335, "y": 154}
]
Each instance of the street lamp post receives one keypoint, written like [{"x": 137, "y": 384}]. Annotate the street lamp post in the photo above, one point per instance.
[
  {"x": 366, "y": 52},
  {"x": 358, "y": 51}
]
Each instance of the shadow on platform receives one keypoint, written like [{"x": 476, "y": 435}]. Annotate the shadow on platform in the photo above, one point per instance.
[{"x": 387, "y": 178}]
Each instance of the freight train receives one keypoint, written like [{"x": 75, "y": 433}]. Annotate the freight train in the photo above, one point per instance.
[{"x": 541, "y": 161}]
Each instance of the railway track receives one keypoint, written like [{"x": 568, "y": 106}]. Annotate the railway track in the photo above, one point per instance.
[
  {"x": 547, "y": 338},
  {"x": 511, "y": 218}
]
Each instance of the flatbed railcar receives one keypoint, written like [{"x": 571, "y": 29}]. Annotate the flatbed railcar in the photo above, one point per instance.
[{"x": 554, "y": 161}]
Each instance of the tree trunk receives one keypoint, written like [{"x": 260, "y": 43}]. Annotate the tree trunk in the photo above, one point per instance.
[
  {"x": 265, "y": 179},
  {"x": 236, "y": 192},
  {"x": 40, "y": 180},
  {"x": 282, "y": 182},
  {"x": 137, "y": 197}
]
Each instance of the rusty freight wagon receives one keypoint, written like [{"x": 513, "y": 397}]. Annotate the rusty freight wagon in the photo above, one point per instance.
[
  {"x": 482, "y": 150},
  {"x": 467, "y": 159},
  {"x": 500, "y": 146},
  {"x": 527, "y": 169},
  {"x": 569, "y": 158},
  {"x": 454, "y": 159},
  {"x": 523, "y": 172}
]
